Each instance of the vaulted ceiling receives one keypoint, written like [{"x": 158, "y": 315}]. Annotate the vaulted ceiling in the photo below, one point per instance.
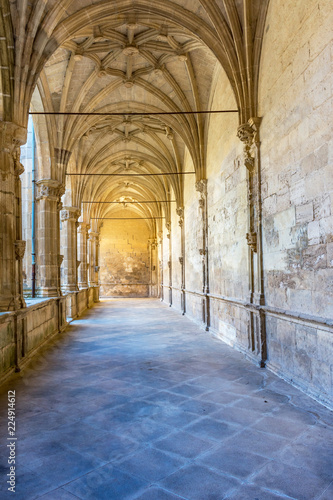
[{"x": 122, "y": 57}]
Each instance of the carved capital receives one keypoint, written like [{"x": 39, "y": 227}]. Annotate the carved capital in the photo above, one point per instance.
[
  {"x": 83, "y": 227},
  {"x": 12, "y": 136},
  {"x": 19, "y": 249},
  {"x": 48, "y": 188},
  {"x": 201, "y": 187},
  {"x": 252, "y": 241},
  {"x": 70, "y": 214},
  {"x": 180, "y": 213},
  {"x": 245, "y": 133},
  {"x": 248, "y": 133}
]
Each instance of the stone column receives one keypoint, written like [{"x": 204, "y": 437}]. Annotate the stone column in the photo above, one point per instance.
[
  {"x": 248, "y": 133},
  {"x": 160, "y": 263},
  {"x": 92, "y": 247},
  {"x": 152, "y": 243},
  {"x": 180, "y": 213},
  {"x": 49, "y": 192},
  {"x": 11, "y": 245},
  {"x": 82, "y": 247},
  {"x": 168, "y": 226},
  {"x": 201, "y": 187},
  {"x": 69, "y": 219}
]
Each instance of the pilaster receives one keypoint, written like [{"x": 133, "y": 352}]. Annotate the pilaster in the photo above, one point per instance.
[
  {"x": 201, "y": 187},
  {"x": 248, "y": 133},
  {"x": 180, "y": 212},
  {"x": 12, "y": 137}
]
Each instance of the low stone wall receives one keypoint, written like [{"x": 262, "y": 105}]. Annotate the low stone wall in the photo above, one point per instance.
[{"x": 23, "y": 332}]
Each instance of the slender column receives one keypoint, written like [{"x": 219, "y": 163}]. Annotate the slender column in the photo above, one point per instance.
[
  {"x": 180, "y": 213},
  {"x": 82, "y": 246},
  {"x": 201, "y": 187},
  {"x": 168, "y": 226},
  {"x": 49, "y": 192},
  {"x": 160, "y": 235},
  {"x": 93, "y": 237},
  {"x": 69, "y": 219},
  {"x": 248, "y": 133},
  {"x": 11, "y": 245},
  {"x": 152, "y": 245}
]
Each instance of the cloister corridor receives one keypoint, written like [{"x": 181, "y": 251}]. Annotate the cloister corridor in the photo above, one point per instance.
[{"x": 135, "y": 401}]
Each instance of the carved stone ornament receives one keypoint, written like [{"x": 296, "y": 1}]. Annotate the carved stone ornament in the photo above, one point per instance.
[
  {"x": 181, "y": 260},
  {"x": 201, "y": 186},
  {"x": 49, "y": 188},
  {"x": 19, "y": 249},
  {"x": 202, "y": 251},
  {"x": 96, "y": 269},
  {"x": 70, "y": 213},
  {"x": 60, "y": 259},
  {"x": 245, "y": 133},
  {"x": 180, "y": 213},
  {"x": 78, "y": 262},
  {"x": 169, "y": 264},
  {"x": 252, "y": 241}
]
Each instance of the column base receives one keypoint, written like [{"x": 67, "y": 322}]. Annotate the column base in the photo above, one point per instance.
[
  {"x": 48, "y": 292},
  {"x": 10, "y": 303}
]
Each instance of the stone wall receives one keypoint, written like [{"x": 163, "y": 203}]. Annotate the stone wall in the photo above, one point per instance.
[
  {"x": 297, "y": 184},
  {"x": 295, "y": 104},
  {"x": 124, "y": 257}
]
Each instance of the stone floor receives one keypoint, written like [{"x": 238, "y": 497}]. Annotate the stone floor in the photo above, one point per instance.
[{"x": 136, "y": 402}]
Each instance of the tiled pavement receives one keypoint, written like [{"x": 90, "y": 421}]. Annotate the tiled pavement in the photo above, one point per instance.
[{"x": 136, "y": 402}]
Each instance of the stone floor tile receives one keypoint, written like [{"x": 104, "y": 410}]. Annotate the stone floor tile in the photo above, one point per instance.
[
  {"x": 59, "y": 494},
  {"x": 106, "y": 483},
  {"x": 61, "y": 467},
  {"x": 212, "y": 429},
  {"x": 232, "y": 462},
  {"x": 154, "y": 493},
  {"x": 292, "y": 481},
  {"x": 280, "y": 427},
  {"x": 313, "y": 457},
  {"x": 257, "y": 442},
  {"x": 251, "y": 492},
  {"x": 328, "y": 493},
  {"x": 29, "y": 485},
  {"x": 236, "y": 416},
  {"x": 197, "y": 483},
  {"x": 184, "y": 444},
  {"x": 151, "y": 464}
]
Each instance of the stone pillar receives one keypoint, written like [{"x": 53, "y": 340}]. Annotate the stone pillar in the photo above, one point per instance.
[
  {"x": 82, "y": 248},
  {"x": 201, "y": 187},
  {"x": 92, "y": 247},
  {"x": 11, "y": 245},
  {"x": 248, "y": 133},
  {"x": 49, "y": 192},
  {"x": 69, "y": 219},
  {"x": 168, "y": 226},
  {"x": 160, "y": 263},
  {"x": 180, "y": 213},
  {"x": 153, "y": 289}
]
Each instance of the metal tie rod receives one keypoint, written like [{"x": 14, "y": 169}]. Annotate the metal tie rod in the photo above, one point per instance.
[
  {"x": 130, "y": 202},
  {"x": 131, "y": 175},
  {"x": 133, "y": 113}
]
